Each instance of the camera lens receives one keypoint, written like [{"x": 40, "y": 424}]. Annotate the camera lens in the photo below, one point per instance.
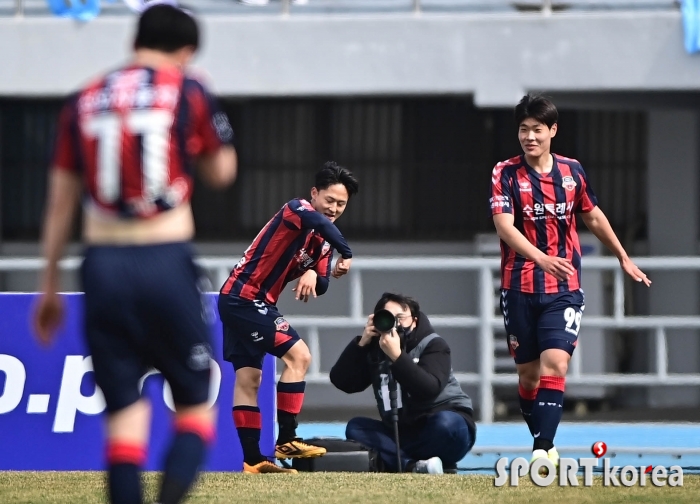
[{"x": 384, "y": 321}]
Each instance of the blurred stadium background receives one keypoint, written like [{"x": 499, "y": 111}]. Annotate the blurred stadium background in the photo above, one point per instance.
[{"x": 416, "y": 97}]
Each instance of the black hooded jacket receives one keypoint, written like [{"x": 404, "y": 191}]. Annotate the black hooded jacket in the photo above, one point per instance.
[{"x": 357, "y": 366}]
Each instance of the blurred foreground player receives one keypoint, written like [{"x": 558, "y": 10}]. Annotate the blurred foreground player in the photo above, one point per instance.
[
  {"x": 297, "y": 243},
  {"x": 129, "y": 143},
  {"x": 534, "y": 199}
]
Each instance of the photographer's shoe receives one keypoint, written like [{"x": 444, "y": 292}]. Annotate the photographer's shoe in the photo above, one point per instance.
[
  {"x": 296, "y": 448},
  {"x": 266, "y": 467},
  {"x": 431, "y": 466}
]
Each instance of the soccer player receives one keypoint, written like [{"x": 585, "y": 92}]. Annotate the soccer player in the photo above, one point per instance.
[
  {"x": 296, "y": 244},
  {"x": 534, "y": 199},
  {"x": 128, "y": 145}
]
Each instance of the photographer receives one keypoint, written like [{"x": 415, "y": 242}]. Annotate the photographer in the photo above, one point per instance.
[{"x": 435, "y": 424}]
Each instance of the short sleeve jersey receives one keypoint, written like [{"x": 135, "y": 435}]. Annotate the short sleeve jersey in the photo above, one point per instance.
[
  {"x": 134, "y": 135},
  {"x": 543, "y": 207}
]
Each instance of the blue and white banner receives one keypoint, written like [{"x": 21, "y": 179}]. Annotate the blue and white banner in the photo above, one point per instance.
[{"x": 50, "y": 408}]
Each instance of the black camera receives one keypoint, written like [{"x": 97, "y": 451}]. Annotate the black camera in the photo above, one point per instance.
[{"x": 384, "y": 321}]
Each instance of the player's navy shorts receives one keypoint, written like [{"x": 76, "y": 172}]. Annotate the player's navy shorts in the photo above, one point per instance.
[
  {"x": 252, "y": 329},
  {"x": 538, "y": 322},
  {"x": 143, "y": 310}
]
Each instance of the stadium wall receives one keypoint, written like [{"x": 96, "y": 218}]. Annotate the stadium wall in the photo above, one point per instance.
[{"x": 495, "y": 57}]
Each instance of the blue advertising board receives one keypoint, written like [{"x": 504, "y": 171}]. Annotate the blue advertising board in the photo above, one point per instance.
[{"x": 50, "y": 408}]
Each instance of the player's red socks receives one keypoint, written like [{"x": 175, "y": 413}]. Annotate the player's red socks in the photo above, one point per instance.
[
  {"x": 547, "y": 410},
  {"x": 290, "y": 397},
  {"x": 248, "y": 423},
  {"x": 124, "y": 461},
  {"x": 527, "y": 401},
  {"x": 185, "y": 458}
]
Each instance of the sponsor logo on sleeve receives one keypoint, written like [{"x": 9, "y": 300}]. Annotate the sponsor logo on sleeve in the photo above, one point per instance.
[
  {"x": 222, "y": 127},
  {"x": 499, "y": 201}
]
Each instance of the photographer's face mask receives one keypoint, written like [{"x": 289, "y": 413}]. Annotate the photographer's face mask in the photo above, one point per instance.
[{"x": 405, "y": 330}]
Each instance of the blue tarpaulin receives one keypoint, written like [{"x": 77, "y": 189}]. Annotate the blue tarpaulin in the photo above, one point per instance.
[
  {"x": 82, "y": 10},
  {"x": 690, "y": 10},
  {"x": 85, "y": 10}
]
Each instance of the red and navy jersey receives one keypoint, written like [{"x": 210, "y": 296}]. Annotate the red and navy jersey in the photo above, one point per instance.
[
  {"x": 295, "y": 240},
  {"x": 134, "y": 136},
  {"x": 544, "y": 207}
]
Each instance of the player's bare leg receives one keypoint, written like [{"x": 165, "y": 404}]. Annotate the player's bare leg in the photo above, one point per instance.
[
  {"x": 127, "y": 440},
  {"x": 245, "y": 390},
  {"x": 548, "y": 408},
  {"x": 290, "y": 397},
  {"x": 246, "y": 417},
  {"x": 194, "y": 430}
]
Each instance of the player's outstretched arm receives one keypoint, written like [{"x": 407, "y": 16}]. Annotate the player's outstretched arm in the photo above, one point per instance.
[
  {"x": 599, "y": 225},
  {"x": 64, "y": 195},
  {"x": 557, "y": 266}
]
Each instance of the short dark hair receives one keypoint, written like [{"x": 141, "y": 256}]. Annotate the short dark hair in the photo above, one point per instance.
[
  {"x": 404, "y": 301},
  {"x": 332, "y": 174},
  {"x": 538, "y": 108},
  {"x": 166, "y": 28}
]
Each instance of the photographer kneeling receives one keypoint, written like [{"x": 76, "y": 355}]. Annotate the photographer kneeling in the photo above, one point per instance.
[{"x": 435, "y": 424}]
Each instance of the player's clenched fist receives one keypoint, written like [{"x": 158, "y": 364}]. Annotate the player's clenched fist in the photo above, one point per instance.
[{"x": 342, "y": 266}]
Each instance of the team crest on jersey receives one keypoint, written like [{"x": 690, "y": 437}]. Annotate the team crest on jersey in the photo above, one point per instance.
[
  {"x": 525, "y": 186},
  {"x": 281, "y": 324},
  {"x": 568, "y": 183},
  {"x": 513, "y": 341},
  {"x": 326, "y": 247}
]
